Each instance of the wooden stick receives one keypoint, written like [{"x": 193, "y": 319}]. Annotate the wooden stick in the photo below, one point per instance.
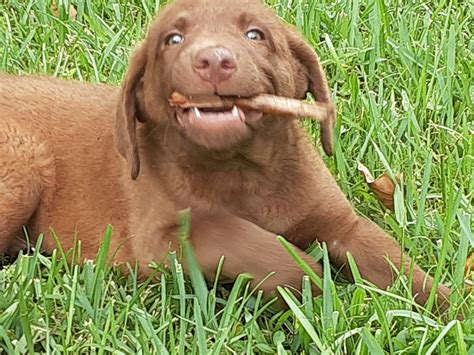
[{"x": 270, "y": 104}]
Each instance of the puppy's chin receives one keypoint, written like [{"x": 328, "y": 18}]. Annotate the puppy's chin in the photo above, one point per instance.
[{"x": 217, "y": 129}]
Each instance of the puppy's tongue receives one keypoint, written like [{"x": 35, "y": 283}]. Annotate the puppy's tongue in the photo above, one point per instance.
[{"x": 214, "y": 129}]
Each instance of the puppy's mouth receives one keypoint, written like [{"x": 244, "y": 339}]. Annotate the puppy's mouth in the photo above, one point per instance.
[
  {"x": 216, "y": 118},
  {"x": 217, "y": 128}
]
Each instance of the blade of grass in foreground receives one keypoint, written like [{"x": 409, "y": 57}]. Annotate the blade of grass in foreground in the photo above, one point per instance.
[
  {"x": 301, "y": 263},
  {"x": 150, "y": 331},
  {"x": 229, "y": 311},
  {"x": 453, "y": 204},
  {"x": 440, "y": 337},
  {"x": 101, "y": 268},
  {"x": 371, "y": 343},
  {"x": 72, "y": 301},
  {"x": 328, "y": 292},
  {"x": 195, "y": 273},
  {"x": 299, "y": 315},
  {"x": 200, "y": 331},
  {"x": 24, "y": 318},
  {"x": 178, "y": 276}
]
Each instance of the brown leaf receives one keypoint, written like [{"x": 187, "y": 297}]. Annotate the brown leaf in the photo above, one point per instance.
[
  {"x": 72, "y": 12},
  {"x": 55, "y": 10},
  {"x": 384, "y": 187}
]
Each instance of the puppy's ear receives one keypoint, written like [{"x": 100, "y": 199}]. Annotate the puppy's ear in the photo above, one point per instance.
[
  {"x": 308, "y": 60},
  {"x": 127, "y": 111}
]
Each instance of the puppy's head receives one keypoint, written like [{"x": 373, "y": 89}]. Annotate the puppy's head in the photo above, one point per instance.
[{"x": 216, "y": 47}]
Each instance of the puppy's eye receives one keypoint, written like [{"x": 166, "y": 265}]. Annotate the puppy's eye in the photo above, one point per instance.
[
  {"x": 174, "y": 39},
  {"x": 255, "y": 35}
]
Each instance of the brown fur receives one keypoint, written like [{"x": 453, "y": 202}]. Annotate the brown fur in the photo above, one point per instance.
[{"x": 59, "y": 167}]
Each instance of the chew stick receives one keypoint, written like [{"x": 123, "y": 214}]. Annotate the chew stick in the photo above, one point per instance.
[{"x": 270, "y": 104}]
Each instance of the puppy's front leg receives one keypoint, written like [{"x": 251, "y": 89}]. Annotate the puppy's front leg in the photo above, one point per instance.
[
  {"x": 333, "y": 220},
  {"x": 246, "y": 248},
  {"x": 371, "y": 248}
]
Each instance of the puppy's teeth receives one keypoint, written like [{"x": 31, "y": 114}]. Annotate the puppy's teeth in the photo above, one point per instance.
[
  {"x": 235, "y": 111},
  {"x": 197, "y": 112}
]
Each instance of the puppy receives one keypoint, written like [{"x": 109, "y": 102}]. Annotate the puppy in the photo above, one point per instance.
[{"x": 75, "y": 157}]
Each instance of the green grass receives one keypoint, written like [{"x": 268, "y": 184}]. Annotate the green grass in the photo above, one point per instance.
[{"x": 401, "y": 74}]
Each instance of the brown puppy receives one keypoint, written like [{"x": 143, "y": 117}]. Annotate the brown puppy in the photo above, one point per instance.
[{"x": 247, "y": 177}]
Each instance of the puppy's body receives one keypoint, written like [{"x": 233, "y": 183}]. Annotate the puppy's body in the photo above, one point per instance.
[
  {"x": 59, "y": 168},
  {"x": 245, "y": 179}
]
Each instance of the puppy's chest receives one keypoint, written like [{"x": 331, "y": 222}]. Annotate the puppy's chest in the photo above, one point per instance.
[{"x": 274, "y": 204}]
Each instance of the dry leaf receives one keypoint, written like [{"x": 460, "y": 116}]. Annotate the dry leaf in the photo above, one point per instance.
[
  {"x": 383, "y": 187},
  {"x": 72, "y": 12},
  {"x": 55, "y": 10},
  {"x": 469, "y": 272}
]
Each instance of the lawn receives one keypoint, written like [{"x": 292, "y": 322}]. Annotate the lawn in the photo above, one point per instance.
[{"x": 401, "y": 75}]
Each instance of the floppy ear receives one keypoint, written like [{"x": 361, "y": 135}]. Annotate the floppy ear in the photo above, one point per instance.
[
  {"x": 127, "y": 111},
  {"x": 317, "y": 83}
]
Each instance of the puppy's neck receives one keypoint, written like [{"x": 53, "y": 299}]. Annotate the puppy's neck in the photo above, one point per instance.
[
  {"x": 196, "y": 177},
  {"x": 265, "y": 148}
]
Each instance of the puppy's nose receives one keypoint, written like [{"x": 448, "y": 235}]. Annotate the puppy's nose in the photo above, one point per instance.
[{"x": 215, "y": 64}]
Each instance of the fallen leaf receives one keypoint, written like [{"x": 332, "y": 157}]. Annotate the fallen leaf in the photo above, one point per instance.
[
  {"x": 369, "y": 178},
  {"x": 383, "y": 187},
  {"x": 55, "y": 10},
  {"x": 72, "y": 12}
]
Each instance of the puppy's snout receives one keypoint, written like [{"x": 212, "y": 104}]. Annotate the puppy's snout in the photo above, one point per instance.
[{"x": 215, "y": 64}]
